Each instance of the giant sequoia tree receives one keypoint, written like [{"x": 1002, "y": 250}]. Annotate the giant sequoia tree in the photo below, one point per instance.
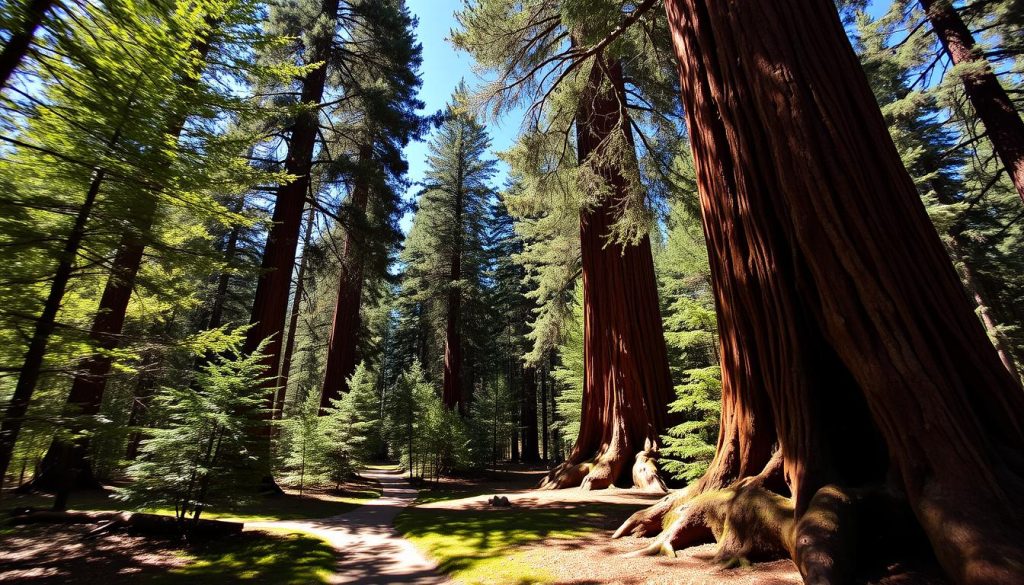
[
  {"x": 627, "y": 385},
  {"x": 549, "y": 52},
  {"x": 846, "y": 338},
  {"x": 316, "y": 48}
]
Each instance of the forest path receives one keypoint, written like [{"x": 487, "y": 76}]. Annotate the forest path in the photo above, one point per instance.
[{"x": 371, "y": 550}]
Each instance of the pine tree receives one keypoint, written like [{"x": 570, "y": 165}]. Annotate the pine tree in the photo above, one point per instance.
[
  {"x": 196, "y": 458},
  {"x": 444, "y": 253},
  {"x": 385, "y": 82},
  {"x": 938, "y": 163},
  {"x": 104, "y": 154},
  {"x": 684, "y": 278}
]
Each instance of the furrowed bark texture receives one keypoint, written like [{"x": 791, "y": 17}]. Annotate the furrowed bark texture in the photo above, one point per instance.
[
  {"x": 344, "y": 338},
  {"x": 293, "y": 318},
  {"x": 991, "y": 103},
  {"x": 627, "y": 383},
  {"x": 18, "y": 43},
  {"x": 844, "y": 326},
  {"x": 274, "y": 285}
]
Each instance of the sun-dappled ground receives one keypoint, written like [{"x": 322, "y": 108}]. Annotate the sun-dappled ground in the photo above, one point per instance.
[
  {"x": 291, "y": 505},
  {"x": 555, "y": 536},
  {"x": 61, "y": 555}
]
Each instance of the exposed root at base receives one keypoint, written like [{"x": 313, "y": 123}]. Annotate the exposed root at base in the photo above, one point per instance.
[
  {"x": 751, "y": 523},
  {"x": 602, "y": 471}
]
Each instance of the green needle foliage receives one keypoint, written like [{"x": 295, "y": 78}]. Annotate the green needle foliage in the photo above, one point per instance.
[{"x": 200, "y": 455}]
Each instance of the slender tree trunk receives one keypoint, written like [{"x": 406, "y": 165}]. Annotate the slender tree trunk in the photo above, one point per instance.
[
  {"x": 517, "y": 398},
  {"x": 544, "y": 413},
  {"x": 977, "y": 291},
  {"x": 87, "y": 388},
  {"x": 274, "y": 285},
  {"x": 220, "y": 294},
  {"x": 627, "y": 384},
  {"x": 451, "y": 394},
  {"x": 18, "y": 43},
  {"x": 556, "y": 441},
  {"x": 293, "y": 321},
  {"x": 838, "y": 306},
  {"x": 65, "y": 465},
  {"x": 28, "y": 376},
  {"x": 344, "y": 337},
  {"x": 140, "y": 405},
  {"x": 992, "y": 104},
  {"x": 531, "y": 453}
]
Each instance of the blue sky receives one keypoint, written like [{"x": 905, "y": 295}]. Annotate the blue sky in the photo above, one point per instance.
[{"x": 443, "y": 68}]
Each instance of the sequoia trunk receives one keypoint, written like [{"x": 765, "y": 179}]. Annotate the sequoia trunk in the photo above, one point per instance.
[
  {"x": 274, "y": 285},
  {"x": 293, "y": 319},
  {"x": 344, "y": 338},
  {"x": 627, "y": 385},
  {"x": 993, "y": 105},
  {"x": 839, "y": 308}
]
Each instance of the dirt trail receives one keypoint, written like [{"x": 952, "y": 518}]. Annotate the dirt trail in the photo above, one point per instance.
[{"x": 371, "y": 551}]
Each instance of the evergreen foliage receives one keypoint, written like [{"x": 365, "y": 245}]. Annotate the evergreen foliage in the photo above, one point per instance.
[{"x": 200, "y": 454}]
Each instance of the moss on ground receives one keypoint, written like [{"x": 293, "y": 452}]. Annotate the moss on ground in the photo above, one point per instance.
[{"x": 271, "y": 558}]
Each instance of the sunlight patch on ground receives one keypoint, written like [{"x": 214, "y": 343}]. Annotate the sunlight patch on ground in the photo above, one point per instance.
[{"x": 481, "y": 545}]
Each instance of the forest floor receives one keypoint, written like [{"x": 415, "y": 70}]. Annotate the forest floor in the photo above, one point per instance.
[
  {"x": 39, "y": 554},
  {"x": 445, "y": 533},
  {"x": 556, "y": 536}
]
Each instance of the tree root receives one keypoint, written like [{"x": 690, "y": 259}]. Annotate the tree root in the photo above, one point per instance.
[
  {"x": 750, "y": 522},
  {"x": 603, "y": 470}
]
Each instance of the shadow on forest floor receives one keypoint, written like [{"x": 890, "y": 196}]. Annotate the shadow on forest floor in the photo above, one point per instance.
[{"x": 61, "y": 554}]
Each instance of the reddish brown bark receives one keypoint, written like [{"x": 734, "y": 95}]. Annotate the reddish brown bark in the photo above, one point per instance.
[
  {"x": 64, "y": 463},
  {"x": 20, "y": 39},
  {"x": 28, "y": 376},
  {"x": 861, "y": 337},
  {"x": 88, "y": 386},
  {"x": 344, "y": 338},
  {"x": 220, "y": 294},
  {"x": 274, "y": 285},
  {"x": 293, "y": 319},
  {"x": 627, "y": 384},
  {"x": 991, "y": 103}
]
